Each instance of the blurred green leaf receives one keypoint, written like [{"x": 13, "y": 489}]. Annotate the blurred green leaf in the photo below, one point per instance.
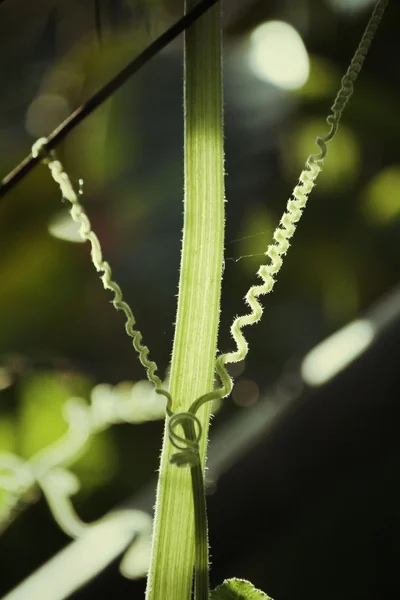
[
  {"x": 41, "y": 423},
  {"x": 99, "y": 463},
  {"x": 40, "y": 419},
  {"x": 7, "y": 434}
]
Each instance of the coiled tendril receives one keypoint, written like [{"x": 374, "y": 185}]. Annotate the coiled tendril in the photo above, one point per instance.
[
  {"x": 79, "y": 216},
  {"x": 291, "y": 216},
  {"x": 188, "y": 445}
]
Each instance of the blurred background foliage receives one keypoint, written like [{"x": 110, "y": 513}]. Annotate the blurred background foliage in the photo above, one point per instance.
[{"x": 59, "y": 334}]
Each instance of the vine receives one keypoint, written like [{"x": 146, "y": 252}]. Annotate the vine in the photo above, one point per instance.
[{"x": 79, "y": 215}]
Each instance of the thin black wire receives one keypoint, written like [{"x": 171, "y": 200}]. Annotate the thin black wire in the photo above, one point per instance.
[{"x": 105, "y": 92}]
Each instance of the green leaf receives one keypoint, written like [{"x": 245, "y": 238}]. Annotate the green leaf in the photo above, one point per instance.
[{"x": 237, "y": 589}]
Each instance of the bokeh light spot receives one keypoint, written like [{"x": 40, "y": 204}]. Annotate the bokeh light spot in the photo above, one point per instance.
[
  {"x": 278, "y": 55},
  {"x": 245, "y": 392},
  {"x": 382, "y": 197},
  {"x": 334, "y": 354}
]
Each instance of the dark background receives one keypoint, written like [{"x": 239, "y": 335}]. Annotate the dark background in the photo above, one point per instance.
[{"x": 311, "y": 509}]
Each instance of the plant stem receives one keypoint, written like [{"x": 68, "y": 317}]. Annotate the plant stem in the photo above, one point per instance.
[
  {"x": 201, "y": 585},
  {"x": 192, "y": 373}
]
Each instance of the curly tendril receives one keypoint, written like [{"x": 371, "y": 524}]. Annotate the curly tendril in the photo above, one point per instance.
[
  {"x": 188, "y": 445},
  {"x": 79, "y": 216},
  {"x": 291, "y": 217}
]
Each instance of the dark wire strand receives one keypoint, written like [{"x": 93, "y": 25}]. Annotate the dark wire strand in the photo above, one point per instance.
[{"x": 105, "y": 92}]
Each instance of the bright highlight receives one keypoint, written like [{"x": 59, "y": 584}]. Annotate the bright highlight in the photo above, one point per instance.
[
  {"x": 337, "y": 352},
  {"x": 278, "y": 55},
  {"x": 64, "y": 228}
]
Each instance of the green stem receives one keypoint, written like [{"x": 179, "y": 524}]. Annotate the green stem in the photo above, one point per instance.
[
  {"x": 201, "y": 534},
  {"x": 200, "y": 525},
  {"x": 192, "y": 374}
]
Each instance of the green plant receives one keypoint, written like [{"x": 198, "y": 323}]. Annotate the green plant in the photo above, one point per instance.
[{"x": 193, "y": 362}]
